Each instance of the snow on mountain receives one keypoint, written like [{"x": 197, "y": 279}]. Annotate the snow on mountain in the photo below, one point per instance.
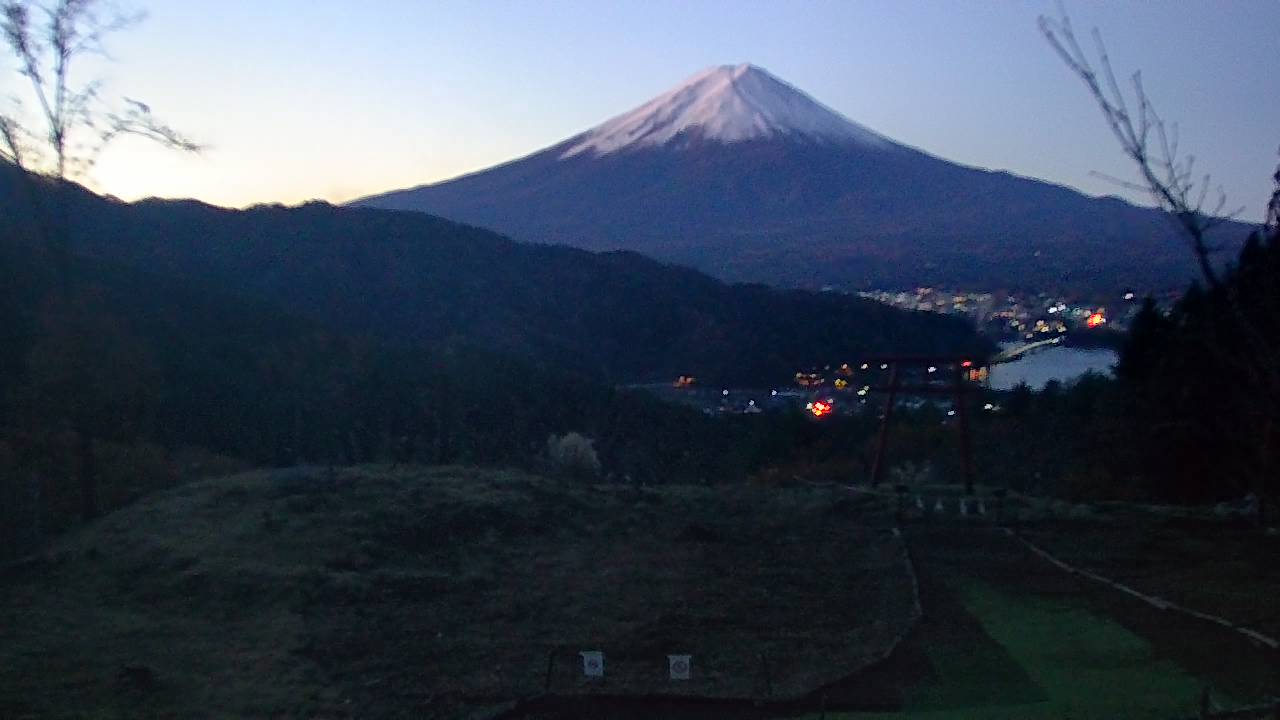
[
  {"x": 737, "y": 173},
  {"x": 726, "y": 104}
]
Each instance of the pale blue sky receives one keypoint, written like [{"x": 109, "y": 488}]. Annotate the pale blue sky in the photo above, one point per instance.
[{"x": 317, "y": 98}]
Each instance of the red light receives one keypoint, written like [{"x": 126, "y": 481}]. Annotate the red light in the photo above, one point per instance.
[
  {"x": 820, "y": 408},
  {"x": 1095, "y": 320},
  {"x": 967, "y": 363}
]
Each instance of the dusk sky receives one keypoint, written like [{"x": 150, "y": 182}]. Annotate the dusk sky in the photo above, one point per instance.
[{"x": 334, "y": 100}]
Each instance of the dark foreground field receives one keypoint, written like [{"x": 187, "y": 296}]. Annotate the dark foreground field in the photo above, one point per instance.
[
  {"x": 1008, "y": 636},
  {"x": 445, "y": 593},
  {"x": 458, "y": 593}
]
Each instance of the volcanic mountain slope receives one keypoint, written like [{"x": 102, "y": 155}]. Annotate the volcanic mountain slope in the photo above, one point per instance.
[{"x": 739, "y": 174}]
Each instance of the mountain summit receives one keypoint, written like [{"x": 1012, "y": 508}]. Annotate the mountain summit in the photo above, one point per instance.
[
  {"x": 739, "y": 174},
  {"x": 725, "y": 104}
]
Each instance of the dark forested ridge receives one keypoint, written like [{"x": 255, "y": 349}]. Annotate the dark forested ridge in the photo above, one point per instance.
[
  {"x": 178, "y": 339},
  {"x": 1204, "y": 381},
  {"x": 1191, "y": 416},
  {"x": 163, "y": 383},
  {"x": 420, "y": 279}
]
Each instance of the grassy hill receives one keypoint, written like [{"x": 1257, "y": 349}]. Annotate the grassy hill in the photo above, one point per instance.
[{"x": 379, "y": 592}]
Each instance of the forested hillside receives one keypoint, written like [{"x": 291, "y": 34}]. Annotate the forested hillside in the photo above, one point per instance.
[
  {"x": 420, "y": 279},
  {"x": 129, "y": 381},
  {"x": 116, "y": 381}
]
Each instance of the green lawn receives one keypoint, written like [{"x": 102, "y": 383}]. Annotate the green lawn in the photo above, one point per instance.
[{"x": 1070, "y": 663}]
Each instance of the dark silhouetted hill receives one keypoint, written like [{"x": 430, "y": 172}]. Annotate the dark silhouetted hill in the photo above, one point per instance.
[{"x": 422, "y": 280}]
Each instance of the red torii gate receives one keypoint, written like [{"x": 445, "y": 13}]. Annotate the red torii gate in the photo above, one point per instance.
[{"x": 959, "y": 366}]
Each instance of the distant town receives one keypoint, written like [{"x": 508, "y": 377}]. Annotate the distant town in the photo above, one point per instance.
[
  {"x": 1021, "y": 322},
  {"x": 1009, "y": 316}
]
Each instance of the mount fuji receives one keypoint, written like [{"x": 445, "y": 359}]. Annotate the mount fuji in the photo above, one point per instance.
[
  {"x": 723, "y": 104},
  {"x": 737, "y": 173}
]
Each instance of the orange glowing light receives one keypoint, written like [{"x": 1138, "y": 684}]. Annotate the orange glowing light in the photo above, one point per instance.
[
  {"x": 1095, "y": 320},
  {"x": 820, "y": 408}
]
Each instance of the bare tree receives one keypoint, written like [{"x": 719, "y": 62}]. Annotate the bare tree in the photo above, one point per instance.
[
  {"x": 70, "y": 125},
  {"x": 1169, "y": 177},
  {"x": 57, "y": 136},
  {"x": 1166, "y": 174},
  {"x": 1271, "y": 225}
]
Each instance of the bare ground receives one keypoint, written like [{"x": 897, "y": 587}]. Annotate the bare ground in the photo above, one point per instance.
[{"x": 445, "y": 592}]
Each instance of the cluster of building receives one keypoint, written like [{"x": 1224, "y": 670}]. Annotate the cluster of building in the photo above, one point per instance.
[
  {"x": 838, "y": 389},
  {"x": 1016, "y": 315},
  {"x": 1024, "y": 320}
]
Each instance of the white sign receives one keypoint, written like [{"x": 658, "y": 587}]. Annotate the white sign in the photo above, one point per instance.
[
  {"x": 592, "y": 663},
  {"x": 680, "y": 666}
]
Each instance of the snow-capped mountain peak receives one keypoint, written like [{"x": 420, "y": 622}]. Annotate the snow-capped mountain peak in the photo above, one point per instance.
[{"x": 727, "y": 103}]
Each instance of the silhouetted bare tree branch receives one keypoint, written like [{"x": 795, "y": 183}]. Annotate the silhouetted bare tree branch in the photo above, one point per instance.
[
  {"x": 1166, "y": 174},
  {"x": 1271, "y": 223},
  {"x": 60, "y": 136},
  {"x": 70, "y": 125},
  {"x": 1169, "y": 177}
]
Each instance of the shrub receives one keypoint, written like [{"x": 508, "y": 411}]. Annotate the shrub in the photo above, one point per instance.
[{"x": 573, "y": 454}]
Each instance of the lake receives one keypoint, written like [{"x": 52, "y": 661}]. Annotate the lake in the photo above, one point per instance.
[{"x": 1053, "y": 363}]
